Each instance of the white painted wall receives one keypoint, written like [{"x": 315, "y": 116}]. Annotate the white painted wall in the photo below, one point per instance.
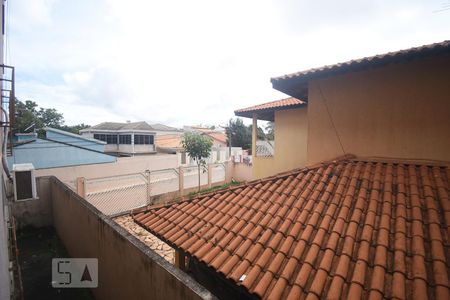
[{"x": 124, "y": 165}]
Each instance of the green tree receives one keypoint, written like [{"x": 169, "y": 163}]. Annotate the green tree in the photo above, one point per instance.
[
  {"x": 50, "y": 117},
  {"x": 260, "y": 135},
  {"x": 74, "y": 128},
  {"x": 270, "y": 127},
  {"x": 30, "y": 117},
  {"x": 238, "y": 135},
  {"x": 26, "y": 116},
  {"x": 198, "y": 147},
  {"x": 241, "y": 135}
]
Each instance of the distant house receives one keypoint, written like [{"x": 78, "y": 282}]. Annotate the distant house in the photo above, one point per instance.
[
  {"x": 218, "y": 136},
  {"x": 161, "y": 129},
  {"x": 172, "y": 144},
  {"x": 58, "y": 149},
  {"x": 219, "y": 139},
  {"x": 124, "y": 139},
  {"x": 169, "y": 144}
]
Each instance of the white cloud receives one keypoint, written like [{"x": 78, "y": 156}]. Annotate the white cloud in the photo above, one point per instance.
[
  {"x": 28, "y": 15},
  {"x": 186, "y": 62}
]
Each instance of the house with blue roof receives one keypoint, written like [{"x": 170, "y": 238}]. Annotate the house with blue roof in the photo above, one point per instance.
[{"x": 58, "y": 149}]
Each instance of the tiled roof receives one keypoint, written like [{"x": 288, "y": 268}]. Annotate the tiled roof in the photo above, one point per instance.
[
  {"x": 273, "y": 104},
  {"x": 168, "y": 141},
  {"x": 219, "y": 136},
  {"x": 121, "y": 126},
  {"x": 162, "y": 127},
  {"x": 370, "y": 61},
  {"x": 347, "y": 229}
]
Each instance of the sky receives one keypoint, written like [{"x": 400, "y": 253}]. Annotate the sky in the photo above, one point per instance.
[{"x": 194, "y": 62}]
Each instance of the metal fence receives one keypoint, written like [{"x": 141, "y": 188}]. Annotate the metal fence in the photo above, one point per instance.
[
  {"x": 191, "y": 177},
  {"x": 218, "y": 173},
  {"x": 116, "y": 194},
  {"x": 164, "y": 181}
]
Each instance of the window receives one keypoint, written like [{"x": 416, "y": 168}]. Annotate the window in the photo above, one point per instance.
[
  {"x": 125, "y": 139},
  {"x": 108, "y": 138},
  {"x": 111, "y": 139},
  {"x": 101, "y": 137},
  {"x": 140, "y": 139}
]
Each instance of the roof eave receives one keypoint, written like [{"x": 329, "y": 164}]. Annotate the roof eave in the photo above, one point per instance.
[
  {"x": 267, "y": 114},
  {"x": 296, "y": 84}
]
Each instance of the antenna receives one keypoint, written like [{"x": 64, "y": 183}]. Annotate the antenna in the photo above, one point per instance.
[{"x": 29, "y": 127}]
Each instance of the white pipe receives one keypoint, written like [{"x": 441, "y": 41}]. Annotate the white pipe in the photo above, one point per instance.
[{"x": 4, "y": 145}]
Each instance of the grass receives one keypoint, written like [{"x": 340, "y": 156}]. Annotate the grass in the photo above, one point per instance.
[{"x": 212, "y": 189}]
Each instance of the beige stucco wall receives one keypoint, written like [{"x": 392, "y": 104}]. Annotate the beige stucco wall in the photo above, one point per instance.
[
  {"x": 399, "y": 111},
  {"x": 242, "y": 172},
  {"x": 291, "y": 129}
]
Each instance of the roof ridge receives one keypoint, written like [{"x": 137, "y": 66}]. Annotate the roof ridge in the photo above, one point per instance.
[{"x": 405, "y": 161}]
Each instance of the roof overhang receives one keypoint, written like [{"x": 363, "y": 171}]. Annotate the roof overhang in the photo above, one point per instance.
[
  {"x": 266, "y": 111},
  {"x": 264, "y": 114},
  {"x": 296, "y": 84}
]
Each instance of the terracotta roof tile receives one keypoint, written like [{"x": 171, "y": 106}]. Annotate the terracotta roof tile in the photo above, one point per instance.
[
  {"x": 346, "y": 229},
  {"x": 283, "y": 103}
]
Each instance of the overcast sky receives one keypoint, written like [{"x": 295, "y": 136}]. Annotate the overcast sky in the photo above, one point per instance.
[{"x": 191, "y": 62}]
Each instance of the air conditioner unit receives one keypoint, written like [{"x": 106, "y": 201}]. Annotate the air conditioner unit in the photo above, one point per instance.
[{"x": 24, "y": 182}]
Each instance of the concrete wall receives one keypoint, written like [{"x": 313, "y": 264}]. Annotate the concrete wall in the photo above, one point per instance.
[
  {"x": 35, "y": 212},
  {"x": 291, "y": 130},
  {"x": 130, "y": 148},
  {"x": 242, "y": 172},
  {"x": 127, "y": 268},
  {"x": 142, "y": 148},
  {"x": 400, "y": 111},
  {"x": 113, "y": 148},
  {"x": 124, "y": 165}
]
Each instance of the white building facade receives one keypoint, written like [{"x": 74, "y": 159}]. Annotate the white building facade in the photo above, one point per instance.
[{"x": 124, "y": 139}]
